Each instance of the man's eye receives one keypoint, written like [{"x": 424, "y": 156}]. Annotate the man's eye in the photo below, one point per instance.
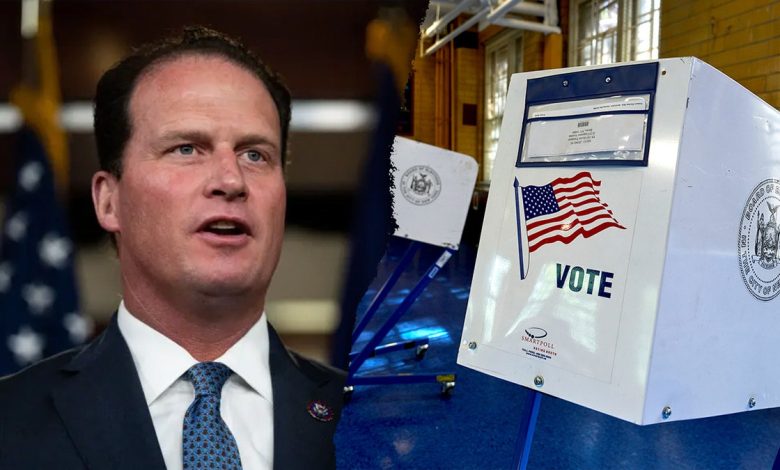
[
  {"x": 186, "y": 149},
  {"x": 254, "y": 155}
]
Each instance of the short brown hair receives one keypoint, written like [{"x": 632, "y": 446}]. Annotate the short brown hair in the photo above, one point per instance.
[{"x": 116, "y": 86}]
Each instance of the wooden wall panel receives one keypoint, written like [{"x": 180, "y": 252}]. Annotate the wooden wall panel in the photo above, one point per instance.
[{"x": 739, "y": 37}]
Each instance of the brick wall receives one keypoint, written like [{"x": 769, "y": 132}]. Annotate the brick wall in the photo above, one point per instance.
[
  {"x": 458, "y": 71},
  {"x": 467, "y": 70},
  {"x": 533, "y": 51},
  {"x": 423, "y": 97},
  {"x": 741, "y": 38},
  {"x": 446, "y": 93}
]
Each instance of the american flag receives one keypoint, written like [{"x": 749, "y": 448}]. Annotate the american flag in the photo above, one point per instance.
[
  {"x": 38, "y": 299},
  {"x": 561, "y": 211}
]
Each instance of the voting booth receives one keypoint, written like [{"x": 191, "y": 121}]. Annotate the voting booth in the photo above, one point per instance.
[
  {"x": 431, "y": 196},
  {"x": 433, "y": 189},
  {"x": 629, "y": 259}
]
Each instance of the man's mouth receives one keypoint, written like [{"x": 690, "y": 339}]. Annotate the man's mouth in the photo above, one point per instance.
[{"x": 225, "y": 227}]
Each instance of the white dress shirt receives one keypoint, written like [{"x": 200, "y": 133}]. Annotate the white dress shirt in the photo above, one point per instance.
[{"x": 247, "y": 396}]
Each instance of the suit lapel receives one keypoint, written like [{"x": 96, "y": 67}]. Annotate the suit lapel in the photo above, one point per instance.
[
  {"x": 300, "y": 440},
  {"x": 102, "y": 405}
]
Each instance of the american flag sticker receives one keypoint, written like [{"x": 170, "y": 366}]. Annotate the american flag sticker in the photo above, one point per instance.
[{"x": 561, "y": 211}]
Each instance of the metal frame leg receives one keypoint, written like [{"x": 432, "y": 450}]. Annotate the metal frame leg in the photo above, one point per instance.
[
  {"x": 523, "y": 454},
  {"x": 383, "y": 292},
  {"x": 382, "y": 332}
]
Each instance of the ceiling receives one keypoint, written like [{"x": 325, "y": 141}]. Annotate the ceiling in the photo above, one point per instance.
[{"x": 317, "y": 46}]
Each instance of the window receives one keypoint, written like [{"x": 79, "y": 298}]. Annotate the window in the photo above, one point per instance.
[
  {"x": 644, "y": 29},
  {"x": 503, "y": 57},
  {"x": 607, "y": 31}
]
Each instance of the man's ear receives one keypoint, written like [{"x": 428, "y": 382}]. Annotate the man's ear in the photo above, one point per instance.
[{"x": 105, "y": 198}]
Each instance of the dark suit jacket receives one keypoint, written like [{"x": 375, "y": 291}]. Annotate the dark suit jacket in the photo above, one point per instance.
[{"x": 86, "y": 409}]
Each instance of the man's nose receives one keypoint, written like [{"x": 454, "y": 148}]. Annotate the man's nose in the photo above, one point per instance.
[{"x": 227, "y": 177}]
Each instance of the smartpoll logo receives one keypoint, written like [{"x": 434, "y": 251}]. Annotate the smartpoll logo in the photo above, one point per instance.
[
  {"x": 538, "y": 345},
  {"x": 536, "y": 333},
  {"x": 561, "y": 211}
]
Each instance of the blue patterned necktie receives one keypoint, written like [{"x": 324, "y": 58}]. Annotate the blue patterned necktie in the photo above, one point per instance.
[{"x": 207, "y": 441}]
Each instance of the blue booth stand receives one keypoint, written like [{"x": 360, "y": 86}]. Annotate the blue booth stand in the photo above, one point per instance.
[{"x": 433, "y": 190}]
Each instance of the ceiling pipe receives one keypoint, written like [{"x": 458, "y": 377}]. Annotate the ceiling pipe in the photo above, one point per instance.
[
  {"x": 551, "y": 14},
  {"x": 521, "y": 8},
  {"x": 501, "y": 10},
  {"x": 442, "y": 22},
  {"x": 529, "y": 25},
  {"x": 449, "y": 37},
  {"x": 528, "y": 8},
  {"x": 488, "y": 16}
]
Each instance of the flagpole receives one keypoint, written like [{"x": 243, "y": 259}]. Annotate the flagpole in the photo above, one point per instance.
[
  {"x": 38, "y": 291},
  {"x": 38, "y": 94},
  {"x": 520, "y": 226}
]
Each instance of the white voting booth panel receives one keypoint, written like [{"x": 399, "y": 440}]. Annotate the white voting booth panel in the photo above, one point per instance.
[
  {"x": 433, "y": 188},
  {"x": 656, "y": 299}
]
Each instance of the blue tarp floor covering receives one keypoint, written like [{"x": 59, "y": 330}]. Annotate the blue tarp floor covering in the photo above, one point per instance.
[{"x": 478, "y": 426}]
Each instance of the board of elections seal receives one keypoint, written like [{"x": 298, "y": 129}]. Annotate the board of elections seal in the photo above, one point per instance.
[
  {"x": 759, "y": 241},
  {"x": 420, "y": 185}
]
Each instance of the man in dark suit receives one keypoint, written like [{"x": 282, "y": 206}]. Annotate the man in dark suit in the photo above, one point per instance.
[{"x": 191, "y": 135}]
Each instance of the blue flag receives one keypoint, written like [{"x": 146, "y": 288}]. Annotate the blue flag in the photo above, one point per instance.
[{"x": 39, "y": 313}]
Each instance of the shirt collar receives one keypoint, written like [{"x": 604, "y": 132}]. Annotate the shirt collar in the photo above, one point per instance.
[
  {"x": 160, "y": 361},
  {"x": 248, "y": 358}
]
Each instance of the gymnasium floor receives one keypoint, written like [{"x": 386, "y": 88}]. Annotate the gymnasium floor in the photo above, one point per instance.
[{"x": 478, "y": 426}]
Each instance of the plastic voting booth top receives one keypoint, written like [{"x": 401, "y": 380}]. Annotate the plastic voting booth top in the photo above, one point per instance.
[
  {"x": 433, "y": 188},
  {"x": 629, "y": 256}
]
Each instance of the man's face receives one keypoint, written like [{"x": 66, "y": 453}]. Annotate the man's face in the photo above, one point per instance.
[{"x": 201, "y": 201}]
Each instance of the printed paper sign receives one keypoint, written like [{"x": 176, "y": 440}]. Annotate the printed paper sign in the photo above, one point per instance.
[
  {"x": 586, "y": 135},
  {"x": 560, "y": 211},
  {"x": 592, "y": 106},
  {"x": 560, "y": 269}
]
